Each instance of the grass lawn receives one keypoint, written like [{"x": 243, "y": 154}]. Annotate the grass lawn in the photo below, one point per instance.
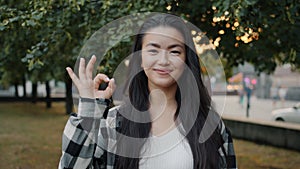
[{"x": 30, "y": 138}]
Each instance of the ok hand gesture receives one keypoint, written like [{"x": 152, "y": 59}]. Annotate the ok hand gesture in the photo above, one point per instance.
[{"x": 86, "y": 85}]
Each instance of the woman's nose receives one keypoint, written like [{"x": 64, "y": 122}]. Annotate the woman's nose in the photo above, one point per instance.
[{"x": 164, "y": 58}]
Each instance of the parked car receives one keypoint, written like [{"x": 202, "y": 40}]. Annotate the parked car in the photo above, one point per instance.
[{"x": 291, "y": 114}]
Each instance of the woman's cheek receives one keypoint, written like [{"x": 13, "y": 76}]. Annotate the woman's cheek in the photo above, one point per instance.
[
  {"x": 180, "y": 66},
  {"x": 147, "y": 62}
]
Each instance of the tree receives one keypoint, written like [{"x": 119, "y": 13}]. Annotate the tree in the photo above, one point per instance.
[
  {"x": 12, "y": 38},
  {"x": 263, "y": 33},
  {"x": 60, "y": 29}
]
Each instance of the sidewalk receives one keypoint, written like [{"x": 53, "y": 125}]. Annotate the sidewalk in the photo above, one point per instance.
[{"x": 259, "y": 108}]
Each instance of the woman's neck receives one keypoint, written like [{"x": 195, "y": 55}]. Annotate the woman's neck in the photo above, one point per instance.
[
  {"x": 162, "y": 96},
  {"x": 163, "y": 106}
]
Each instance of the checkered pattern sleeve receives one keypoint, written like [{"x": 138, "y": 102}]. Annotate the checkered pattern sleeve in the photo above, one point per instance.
[
  {"x": 80, "y": 135},
  {"x": 226, "y": 151}
]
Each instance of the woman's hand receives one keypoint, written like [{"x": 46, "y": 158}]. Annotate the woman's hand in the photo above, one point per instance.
[{"x": 88, "y": 87}]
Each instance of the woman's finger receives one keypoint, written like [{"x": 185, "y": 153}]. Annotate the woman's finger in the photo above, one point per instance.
[
  {"x": 73, "y": 76},
  {"x": 108, "y": 92},
  {"x": 111, "y": 87},
  {"x": 100, "y": 78},
  {"x": 81, "y": 71},
  {"x": 90, "y": 67}
]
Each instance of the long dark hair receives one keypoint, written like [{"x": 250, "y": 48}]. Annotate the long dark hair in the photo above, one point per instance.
[{"x": 205, "y": 154}]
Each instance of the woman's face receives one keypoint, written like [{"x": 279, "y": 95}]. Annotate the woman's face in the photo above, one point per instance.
[{"x": 163, "y": 56}]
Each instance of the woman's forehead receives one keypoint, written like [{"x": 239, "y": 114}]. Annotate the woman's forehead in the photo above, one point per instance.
[{"x": 163, "y": 34}]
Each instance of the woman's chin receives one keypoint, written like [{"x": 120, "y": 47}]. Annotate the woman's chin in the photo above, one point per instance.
[{"x": 163, "y": 83}]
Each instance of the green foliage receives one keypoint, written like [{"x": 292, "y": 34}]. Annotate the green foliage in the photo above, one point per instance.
[
  {"x": 257, "y": 31},
  {"x": 13, "y": 38},
  {"x": 39, "y": 38}
]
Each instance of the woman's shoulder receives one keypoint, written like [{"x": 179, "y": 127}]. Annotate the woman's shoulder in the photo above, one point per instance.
[
  {"x": 226, "y": 150},
  {"x": 221, "y": 126},
  {"x": 224, "y": 131}
]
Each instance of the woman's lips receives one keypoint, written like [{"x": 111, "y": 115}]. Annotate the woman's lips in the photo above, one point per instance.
[{"x": 162, "y": 71}]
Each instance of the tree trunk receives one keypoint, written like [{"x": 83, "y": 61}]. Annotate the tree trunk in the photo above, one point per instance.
[
  {"x": 34, "y": 93},
  {"x": 16, "y": 90},
  {"x": 48, "y": 92},
  {"x": 24, "y": 87},
  {"x": 69, "y": 98}
]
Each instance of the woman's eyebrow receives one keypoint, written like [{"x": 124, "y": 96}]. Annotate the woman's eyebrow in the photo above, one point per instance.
[
  {"x": 153, "y": 44},
  {"x": 175, "y": 45},
  {"x": 169, "y": 47}
]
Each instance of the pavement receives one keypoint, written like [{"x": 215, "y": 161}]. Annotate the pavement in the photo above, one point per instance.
[{"x": 259, "y": 108}]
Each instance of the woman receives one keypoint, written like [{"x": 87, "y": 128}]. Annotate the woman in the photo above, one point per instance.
[{"x": 162, "y": 123}]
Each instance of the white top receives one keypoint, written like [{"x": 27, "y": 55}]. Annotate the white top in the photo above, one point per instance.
[{"x": 170, "y": 150}]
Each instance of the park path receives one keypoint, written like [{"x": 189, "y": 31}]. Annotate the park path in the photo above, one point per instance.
[{"x": 259, "y": 108}]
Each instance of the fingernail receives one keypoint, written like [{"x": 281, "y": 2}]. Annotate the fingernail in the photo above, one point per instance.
[{"x": 107, "y": 79}]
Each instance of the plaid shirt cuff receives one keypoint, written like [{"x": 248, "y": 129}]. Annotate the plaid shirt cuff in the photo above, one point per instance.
[{"x": 91, "y": 108}]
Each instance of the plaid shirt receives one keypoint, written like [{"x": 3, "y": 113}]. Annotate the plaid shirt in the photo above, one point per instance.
[{"x": 89, "y": 141}]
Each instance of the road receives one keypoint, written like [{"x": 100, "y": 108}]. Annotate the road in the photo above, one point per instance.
[{"x": 259, "y": 108}]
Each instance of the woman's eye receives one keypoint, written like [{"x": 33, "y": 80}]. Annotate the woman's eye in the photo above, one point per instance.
[
  {"x": 152, "y": 51},
  {"x": 175, "y": 52}
]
